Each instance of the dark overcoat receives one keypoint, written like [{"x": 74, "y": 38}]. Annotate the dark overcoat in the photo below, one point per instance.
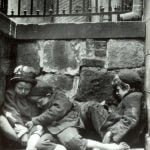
[
  {"x": 60, "y": 114},
  {"x": 125, "y": 118}
]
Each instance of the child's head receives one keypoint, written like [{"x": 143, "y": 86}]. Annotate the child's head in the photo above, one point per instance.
[
  {"x": 22, "y": 88},
  {"x": 41, "y": 96},
  {"x": 126, "y": 81},
  {"x": 23, "y": 80}
]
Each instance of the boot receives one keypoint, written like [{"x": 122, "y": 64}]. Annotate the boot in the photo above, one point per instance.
[{"x": 135, "y": 14}]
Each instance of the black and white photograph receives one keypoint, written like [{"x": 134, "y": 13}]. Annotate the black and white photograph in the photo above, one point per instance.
[{"x": 74, "y": 74}]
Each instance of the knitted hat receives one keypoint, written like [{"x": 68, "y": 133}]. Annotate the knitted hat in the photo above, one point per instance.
[
  {"x": 24, "y": 73},
  {"x": 130, "y": 77},
  {"x": 41, "y": 91}
]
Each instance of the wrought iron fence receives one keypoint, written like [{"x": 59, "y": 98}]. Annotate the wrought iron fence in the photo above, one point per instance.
[
  {"x": 63, "y": 8},
  {"x": 3, "y": 6}
]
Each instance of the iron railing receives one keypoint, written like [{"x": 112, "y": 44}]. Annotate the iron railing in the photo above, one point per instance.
[
  {"x": 3, "y": 6},
  {"x": 62, "y": 8}
]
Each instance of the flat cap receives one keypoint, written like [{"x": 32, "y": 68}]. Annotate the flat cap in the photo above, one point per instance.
[{"x": 130, "y": 77}]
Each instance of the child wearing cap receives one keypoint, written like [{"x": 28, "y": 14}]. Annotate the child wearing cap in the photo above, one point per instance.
[
  {"x": 123, "y": 123},
  {"x": 18, "y": 109},
  {"x": 61, "y": 120}
]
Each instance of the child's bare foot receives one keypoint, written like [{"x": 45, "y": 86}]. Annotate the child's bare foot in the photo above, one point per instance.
[
  {"x": 124, "y": 146},
  {"x": 121, "y": 146}
]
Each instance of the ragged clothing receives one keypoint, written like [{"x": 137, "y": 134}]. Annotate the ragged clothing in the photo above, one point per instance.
[
  {"x": 17, "y": 109},
  {"x": 120, "y": 122},
  {"x": 59, "y": 114},
  {"x": 125, "y": 118},
  {"x": 61, "y": 118}
]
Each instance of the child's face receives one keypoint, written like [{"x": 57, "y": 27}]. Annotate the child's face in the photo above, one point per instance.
[
  {"x": 121, "y": 92},
  {"x": 23, "y": 88},
  {"x": 40, "y": 101}
]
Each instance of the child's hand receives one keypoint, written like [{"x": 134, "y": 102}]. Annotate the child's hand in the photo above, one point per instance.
[
  {"x": 29, "y": 124},
  {"x": 20, "y": 130}
]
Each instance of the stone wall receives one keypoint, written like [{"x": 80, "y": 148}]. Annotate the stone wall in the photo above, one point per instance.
[
  {"x": 7, "y": 62},
  {"x": 84, "y": 68}
]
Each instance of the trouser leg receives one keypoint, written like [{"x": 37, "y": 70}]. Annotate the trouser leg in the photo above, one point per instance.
[
  {"x": 71, "y": 139},
  {"x": 94, "y": 113},
  {"x": 47, "y": 142},
  {"x": 34, "y": 137}
]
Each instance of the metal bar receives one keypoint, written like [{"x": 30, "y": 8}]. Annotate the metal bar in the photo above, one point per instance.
[
  {"x": 89, "y": 3},
  {"x": 101, "y": 13},
  {"x": 88, "y": 18},
  {"x": 52, "y": 11},
  {"x": 19, "y": 5},
  {"x": 1, "y": 5},
  {"x": 31, "y": 9},
  {"x": 44, "y": 9},
  {"x": 109, "y": 5},
  {"x": 57, "y": 7},
  {"x": 5, "y": 6},
  {"x": 83, "y": 14},
  {"x": 83, "y": 10},
  {"x": 96, "y": 6},
  {"x": 122, "y": 5},
  {"x": 110, "y": 9},
  {"x": 70, "y": 6}
]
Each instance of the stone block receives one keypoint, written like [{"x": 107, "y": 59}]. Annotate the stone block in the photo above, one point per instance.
[
  {"x": 92, "y": 62},
  {"x": 94, "y": 84},
  {"x": 7, "y": 55},
  {"x": 96, "y": 48},
  {"x": 56, "y": 81},
  {"x": 7, "y": 66},
  {"x": 125, "y": 53},
  {"x": 63, "y": 56},
  {"x": 27, "y": 54},
  {"x": 101, "y": 53},
  {"x": 100, "y": 44},
  {"x": 96, "y": 44}
]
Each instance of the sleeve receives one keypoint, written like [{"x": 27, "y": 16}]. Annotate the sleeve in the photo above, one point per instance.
[
  {"x": 58, "y": 109},
  {"x": 130, "y": 118},
  {"x": 10, "y": 109}
]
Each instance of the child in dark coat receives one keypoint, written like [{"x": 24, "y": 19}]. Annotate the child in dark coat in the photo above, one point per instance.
[
  {"x": 18, "y": 109},
  {"x": 120, "y": 124},
  {"x": 127, "y": 85},
  {"x": 61, "y": 120}
]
